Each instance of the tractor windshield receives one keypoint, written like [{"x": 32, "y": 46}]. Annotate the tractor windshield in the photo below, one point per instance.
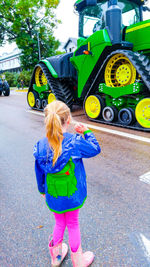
[
  {"x": 92, "y": 18},
  {"x": 130, "y": 13}
]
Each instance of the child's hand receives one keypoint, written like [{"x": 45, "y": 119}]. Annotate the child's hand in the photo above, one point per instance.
[{"x": 80, "y": 128}]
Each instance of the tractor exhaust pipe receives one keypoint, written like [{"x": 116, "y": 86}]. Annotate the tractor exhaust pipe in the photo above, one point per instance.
[{"x": 113, "y": 21}]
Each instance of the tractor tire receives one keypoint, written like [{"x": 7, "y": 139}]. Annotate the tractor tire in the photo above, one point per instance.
[
  {"x": 44, "y": 103},
  {"x": 6, "y": 89},
  {"x": 110, "y": 114},
  {"x": 126, "y": 116},
  {"x": 93, "y": 106},
  {"x": 38, "y": 103},
  {"x": 31, "y": 98},
  {"x": 142, "y": 112}
]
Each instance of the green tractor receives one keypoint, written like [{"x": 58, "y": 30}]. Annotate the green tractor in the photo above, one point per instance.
[{"x": 109, "y": 72}]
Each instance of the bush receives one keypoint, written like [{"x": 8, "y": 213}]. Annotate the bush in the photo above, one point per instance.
[
  {"x": 10, "y": 78},
  {"x": 14, "y": 79},
  {"x": 25, "y": 76}
]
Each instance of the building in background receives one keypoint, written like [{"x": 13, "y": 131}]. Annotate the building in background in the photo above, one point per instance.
[
  {"x": 10, "y": 61},
  {"x": 70, "y": 45},
  {"x": 61, "y": 47}
]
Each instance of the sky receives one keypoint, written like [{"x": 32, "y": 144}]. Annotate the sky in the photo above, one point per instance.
[{"x": 68, "y": 28}]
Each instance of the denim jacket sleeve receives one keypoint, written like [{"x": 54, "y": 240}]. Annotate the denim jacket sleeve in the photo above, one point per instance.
[
  {"x": 39, "y": 172},
  {"x": 40, "y": 177},
  {"x": 88, "y": 146}
]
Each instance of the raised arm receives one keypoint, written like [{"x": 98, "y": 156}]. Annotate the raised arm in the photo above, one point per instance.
[{"x": 88, "y": 147}]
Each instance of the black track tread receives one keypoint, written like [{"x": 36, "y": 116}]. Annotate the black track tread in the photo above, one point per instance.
[
  {"x": 141, "y": 63},
  {"x": 59, "y": 88}
]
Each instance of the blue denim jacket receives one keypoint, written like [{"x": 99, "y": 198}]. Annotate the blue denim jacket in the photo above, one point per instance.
[{"x": 76, "y": 147}]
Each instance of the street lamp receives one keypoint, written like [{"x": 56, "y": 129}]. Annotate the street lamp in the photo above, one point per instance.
[{"x": 39, "y": 46}]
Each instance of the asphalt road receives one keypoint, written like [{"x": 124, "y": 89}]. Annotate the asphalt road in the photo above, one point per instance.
[{"x": 115, "y": 220}]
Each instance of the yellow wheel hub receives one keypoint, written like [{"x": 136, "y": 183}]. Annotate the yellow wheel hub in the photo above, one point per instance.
[
  {"x": 123, "y": 74},
  {"x": 51, "y": 98},
  {"x": 31, "y": 99},
  {"x": 92, "y": 106},
  {"x": 142, "y": 112},
  {"x": 119, "y": 71},
  {"x": 40, "y": 78}
]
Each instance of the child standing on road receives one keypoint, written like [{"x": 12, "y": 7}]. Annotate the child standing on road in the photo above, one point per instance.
[{"x": 61, "y": 178}]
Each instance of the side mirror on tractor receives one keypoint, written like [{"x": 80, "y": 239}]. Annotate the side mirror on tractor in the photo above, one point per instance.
[
  {"x": 84, "y": 3},
  {"x": 91, "y": 2}
]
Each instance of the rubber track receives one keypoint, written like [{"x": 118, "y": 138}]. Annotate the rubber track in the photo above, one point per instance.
[
  {"x": 59, "y": 88},
  {"x": 141, "y": 64}
]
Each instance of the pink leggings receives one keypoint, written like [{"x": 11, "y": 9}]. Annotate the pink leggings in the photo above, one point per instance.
[{"x": 71, "y": 220}]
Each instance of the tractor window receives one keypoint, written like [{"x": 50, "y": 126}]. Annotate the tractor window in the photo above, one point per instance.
[
  {"x": 130, "y": 12},
  {"x": 130, "y": 17},
  {"x": 91, "y": 25},
  {"x": 92, "y": 19}
]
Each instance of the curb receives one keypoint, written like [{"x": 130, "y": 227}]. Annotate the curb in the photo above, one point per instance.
[{"x": 22, "y": 90}]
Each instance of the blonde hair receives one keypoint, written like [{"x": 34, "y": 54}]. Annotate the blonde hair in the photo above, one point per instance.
[{"x": 56, "y": 115}]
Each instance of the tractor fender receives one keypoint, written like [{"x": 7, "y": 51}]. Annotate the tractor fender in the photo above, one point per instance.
[
  {"x": 60, "y": 66},
  {"x": 50, "y": 67}
]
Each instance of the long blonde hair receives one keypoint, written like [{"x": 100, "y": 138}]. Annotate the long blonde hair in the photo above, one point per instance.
[{"x": 56, "y": 115}]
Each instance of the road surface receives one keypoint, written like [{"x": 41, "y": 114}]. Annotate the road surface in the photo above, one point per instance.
[{"x": 115, "y": 220}]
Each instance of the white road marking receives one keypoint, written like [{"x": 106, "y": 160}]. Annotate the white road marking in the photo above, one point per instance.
[
  {"x": 145, "y": 178},
  {"x": 132, "y": 136},
  {"x": 146, "y": 246},
  {"x": 141, "y": 248},
  {"x": 106, "y": 130},
  {"x": 36, "y": 112}
]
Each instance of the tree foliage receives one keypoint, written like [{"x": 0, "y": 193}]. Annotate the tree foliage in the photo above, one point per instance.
[{"x": 24, "y": 21}]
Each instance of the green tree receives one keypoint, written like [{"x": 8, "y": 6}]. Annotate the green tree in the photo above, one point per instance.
[
  {"x": 25, "y": 76},
  {"x": 23, "y": 21},
  {"x": 10, "y": 78}
]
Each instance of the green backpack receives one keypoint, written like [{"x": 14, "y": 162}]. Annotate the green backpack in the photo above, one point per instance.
[{"x": 62, "y": 183}]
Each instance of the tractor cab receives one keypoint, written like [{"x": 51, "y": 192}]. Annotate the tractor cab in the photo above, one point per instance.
[{"x": 92, "y": 14}]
